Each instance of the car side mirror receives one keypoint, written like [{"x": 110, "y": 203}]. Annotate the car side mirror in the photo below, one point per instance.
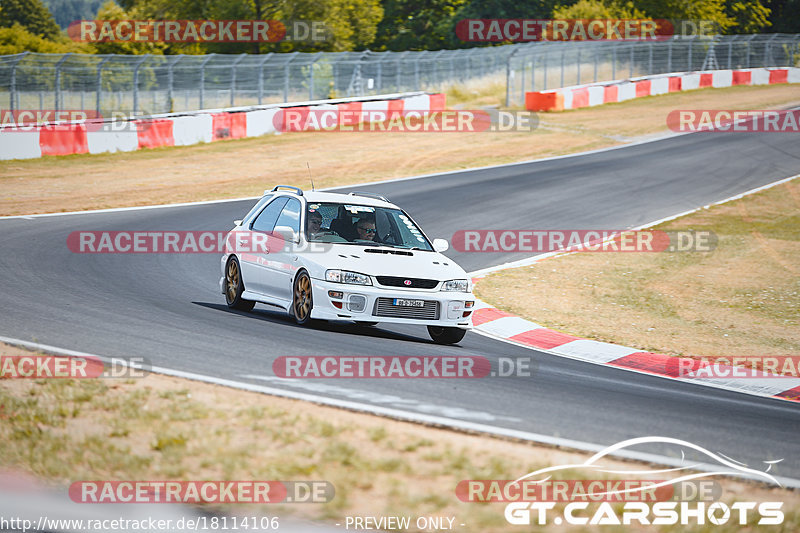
[
  {"x": 237, "y": 222},
  {"x": 288, "y": 234},
  {"x": 441, "y": 245}
]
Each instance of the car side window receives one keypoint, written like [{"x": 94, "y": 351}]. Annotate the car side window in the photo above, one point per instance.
[
  {"x": 290, "y": 216},
  {"x": 266, "y": 220},
  {"x": 256, "y": 208}
]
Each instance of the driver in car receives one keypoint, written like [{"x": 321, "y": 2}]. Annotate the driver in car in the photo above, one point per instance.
[{"x": 365, "y": 227}]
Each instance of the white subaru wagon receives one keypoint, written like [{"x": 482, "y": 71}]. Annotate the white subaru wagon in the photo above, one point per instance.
[{"x": 335, "y": 256}]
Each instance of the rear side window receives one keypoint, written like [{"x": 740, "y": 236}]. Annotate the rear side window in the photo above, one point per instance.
[
  {"x": 290, "y": 216},
  {"x": 266, "y": 220},
  {"x": 256, "y": 208}
]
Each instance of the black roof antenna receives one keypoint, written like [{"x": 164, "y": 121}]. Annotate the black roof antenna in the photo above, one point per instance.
[{"x": 309, "y": 175}]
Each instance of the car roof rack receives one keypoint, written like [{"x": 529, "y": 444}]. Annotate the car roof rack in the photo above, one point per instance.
[
  {"x": 370, "y": 195},
  {"x": 297, "y": 190}
]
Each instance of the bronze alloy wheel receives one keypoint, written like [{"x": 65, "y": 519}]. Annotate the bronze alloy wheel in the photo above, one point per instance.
[
  {"x": 302, "y": 302},
  {"x": 234, "y": 287}
]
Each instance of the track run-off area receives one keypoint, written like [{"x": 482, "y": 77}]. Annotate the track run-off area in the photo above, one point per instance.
[{"x": 167, "y": 308}]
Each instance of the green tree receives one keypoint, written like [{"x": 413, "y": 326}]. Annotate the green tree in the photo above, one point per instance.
[
  {"x": 695, "y": 10},
  {"x": 727, "y": 16},
  {"x": 498, "y": 9},
  {"x": 111, "y": 11},
  {"x": 66, "y": 11},
  {"x": 17, "y": 39},
  {"x": 31, "y": 15},
  {"x": 507, "y": 9},
  {"x": 597, "y": 9},
  {"x": 351, "y": 23},
  {"x": 417, "y": 25},
  {"x": 784, "y": 15},
  {"x": 750, "y": 15}
]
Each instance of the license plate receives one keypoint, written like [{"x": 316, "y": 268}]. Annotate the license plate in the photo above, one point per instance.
[{"x": 400, "y": 302}]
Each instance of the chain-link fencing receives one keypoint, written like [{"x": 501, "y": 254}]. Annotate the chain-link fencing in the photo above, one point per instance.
[
  {"x": 541, "y": 66},
  {"x": 151, "y": 84}
]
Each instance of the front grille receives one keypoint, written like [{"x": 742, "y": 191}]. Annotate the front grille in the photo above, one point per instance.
[
  {"x": 385, "y": 307},
  {"x": 416, "y": 283}
]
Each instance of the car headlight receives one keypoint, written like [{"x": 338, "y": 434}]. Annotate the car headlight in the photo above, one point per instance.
[
  {"x": 456, "y": 285},
  {"x": 345, "y": 276}
]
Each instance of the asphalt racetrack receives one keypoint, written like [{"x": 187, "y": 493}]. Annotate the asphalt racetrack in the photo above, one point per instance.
[{"x": 168, "y": 309}]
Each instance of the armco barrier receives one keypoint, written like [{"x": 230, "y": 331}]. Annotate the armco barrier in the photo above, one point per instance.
[
  {"x": 188, "y": 129},
  {"x": 618, "y": 91}
]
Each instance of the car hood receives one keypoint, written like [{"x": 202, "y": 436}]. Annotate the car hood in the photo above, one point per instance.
[{"x": 386, "y": 261}]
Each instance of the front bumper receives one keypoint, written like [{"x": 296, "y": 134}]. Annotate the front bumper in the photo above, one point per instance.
[{"x": 360, "y": 303}]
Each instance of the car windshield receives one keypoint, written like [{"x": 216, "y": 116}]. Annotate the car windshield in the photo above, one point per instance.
[{"x": 363, "y": 225}]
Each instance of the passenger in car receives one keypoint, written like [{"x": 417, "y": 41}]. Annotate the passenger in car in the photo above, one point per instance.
[
  {"x": 315, "y": 230},
  {"x": 314, "y": 224}
]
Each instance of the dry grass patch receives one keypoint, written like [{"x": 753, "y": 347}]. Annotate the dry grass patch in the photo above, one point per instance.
[
  {"x": 245, "y": 167},
  {"x": 172, "y": 429}
]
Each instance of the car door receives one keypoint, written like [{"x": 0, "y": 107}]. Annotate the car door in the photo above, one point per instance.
[
  {"x": 284, "y": 261},
  {"x": 257, "y": 271}
]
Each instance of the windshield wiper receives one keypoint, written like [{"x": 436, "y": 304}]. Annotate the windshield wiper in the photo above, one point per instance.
[{"x": 365, "y": 243}]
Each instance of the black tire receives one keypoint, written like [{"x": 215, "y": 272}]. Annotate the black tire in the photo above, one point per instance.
[
  {"x": 366, "y": 324},
  {"x": 444, "y": 335},
  {"x": 234, "y": 287},
  {"x": 302, "y": 298}
]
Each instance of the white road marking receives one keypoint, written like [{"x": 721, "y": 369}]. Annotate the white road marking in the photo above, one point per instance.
[
  {"x": 421, "y": 418},
  {"x": 591, "y": 359},
  {"x": 382, "y": 182},
  {"x": 508, "y": 326},
  {"x": 384, "y": 399},
  {"x": 541, "y": 257},
  {"x": 601, "y": 352},
  {"x": 364, "y": 184}
]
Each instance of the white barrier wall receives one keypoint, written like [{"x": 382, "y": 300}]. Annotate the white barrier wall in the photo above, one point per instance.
[
  {"x": 19, "y": 145},
  {"x": 261, "y": 122},
  {"x": 112, "y": 141},
  {"x": 574, "y": 97},
  {"x": 186, "y": 129},
  {"x": 193, "y": 129}
]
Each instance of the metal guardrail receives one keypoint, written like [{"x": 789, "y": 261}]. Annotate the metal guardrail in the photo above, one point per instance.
[{"x": 150, "y": 84}]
